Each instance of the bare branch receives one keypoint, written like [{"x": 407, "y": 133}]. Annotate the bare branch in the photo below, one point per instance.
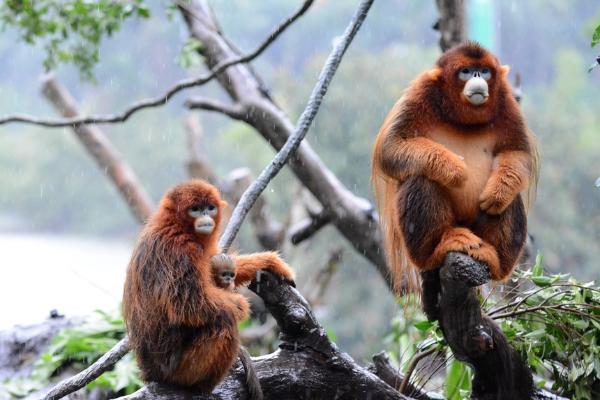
[
  {"x": 255, "y": 334},
  {"x": 101, "y": 149},
  {"x": 197, "y": 166},
  {"x": 304, "y": 122},
  {"x": 269, "y": 232},
  {"x": 383, "y": 368},
  {"x": 411, "y": 367},
  {"x": 235, "y": 111},
  {"x": 316, "y": 288},
  {"x": 89, "y": 374},
  {"x": 164, "y": 98},
  {"x": 308, "y": 227}
]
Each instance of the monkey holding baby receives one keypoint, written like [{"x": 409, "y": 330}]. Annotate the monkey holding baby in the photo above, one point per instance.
[{"x": 181, "y": 316}]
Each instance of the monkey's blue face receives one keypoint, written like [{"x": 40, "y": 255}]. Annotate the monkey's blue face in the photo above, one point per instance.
[
  {"x": 476, "y": 80},
  {"x": 204, "y": 217}
]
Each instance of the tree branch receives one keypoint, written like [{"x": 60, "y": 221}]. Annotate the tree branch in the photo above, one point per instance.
[
  {"x": 383, "y": 368},
  {"x": 235, "y": 111},
  {"x": 304, "y": 122},
  {"x": 89, "y": 374},
  {"x": 198, "y": 166},
  {"x": 269, "y": 232},
  {"x": 101, "y": 149},
  {"x": 308, "y": 227},
  {"x": 164, "y": 98},
  {"x": 354, "y": 217}
]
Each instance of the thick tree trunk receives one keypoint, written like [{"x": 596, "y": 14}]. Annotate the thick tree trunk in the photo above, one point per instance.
[{"x": 451, "y": 23}]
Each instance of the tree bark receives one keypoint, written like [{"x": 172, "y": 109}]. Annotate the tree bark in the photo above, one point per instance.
[
  {"x": 102, "y": 150},
  {"x": 499, "y": 372},
  {"x": 451, "y": 23}
]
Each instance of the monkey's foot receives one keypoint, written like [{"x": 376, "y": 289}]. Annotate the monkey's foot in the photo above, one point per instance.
[
  {"x": 462, "y": 240},
  {"x": 454, "y": 239}
]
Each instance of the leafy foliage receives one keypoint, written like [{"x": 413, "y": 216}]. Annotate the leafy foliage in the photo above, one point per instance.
[
  {"x": 78, "y": 348},
  {"x": 552, "y": 320},
  {"x": 189, "y": 56},
  {"x": 555, "y": 325},
  {"x": 70, "y": 31}
]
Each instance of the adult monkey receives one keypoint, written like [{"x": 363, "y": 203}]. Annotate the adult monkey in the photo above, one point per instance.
[
  {"x": 181, "y": 325},
  {"x": 449, "y": 164}
]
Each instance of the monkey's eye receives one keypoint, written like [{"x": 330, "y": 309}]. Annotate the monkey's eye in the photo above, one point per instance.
[
  {"x": 212, "y": 209},
  {"x": 194, "y": 211},
  {"x": 486, "y": 73},
  {"x": 465, "y": 74}
]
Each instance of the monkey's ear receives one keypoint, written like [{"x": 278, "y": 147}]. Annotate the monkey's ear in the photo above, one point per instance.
[
  {"x": 434, "y": 73},
  {"x": 504, "y": 70},
  {"x": 224, "y": 204}
]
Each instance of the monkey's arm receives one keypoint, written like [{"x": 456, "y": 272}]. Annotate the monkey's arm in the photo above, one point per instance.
[
  {"x": 249, "y": 265},
  {"x": 399, "y": 157},
  {"x": 186, "y": 293},
  {"x": 510, "y": 176}
]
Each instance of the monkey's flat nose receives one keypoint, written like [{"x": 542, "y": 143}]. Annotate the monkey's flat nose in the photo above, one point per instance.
[{"x": 476, "y": 90}]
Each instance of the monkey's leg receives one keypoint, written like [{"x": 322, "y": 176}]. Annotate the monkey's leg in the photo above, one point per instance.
[
  {"x": 428, "y": 226},
  {"x": 505, "y": 232},
  {"x": 425, "y": 214}
]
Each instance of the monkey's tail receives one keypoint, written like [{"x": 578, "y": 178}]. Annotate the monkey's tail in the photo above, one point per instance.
[
  {"x": 405, "y": 277},
  {"x": 252, "y": 382}
]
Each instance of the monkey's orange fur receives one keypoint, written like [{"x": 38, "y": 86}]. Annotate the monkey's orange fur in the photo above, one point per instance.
[
  {"x": 181, "y": 326},
  {"x": 448, "y": 174}
]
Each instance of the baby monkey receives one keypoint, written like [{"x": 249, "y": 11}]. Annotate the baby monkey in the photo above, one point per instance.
[{"x": 223, "y": 271}]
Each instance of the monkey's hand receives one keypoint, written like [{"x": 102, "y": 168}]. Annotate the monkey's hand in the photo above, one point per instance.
[
  {"x": 496, "y": 197},
  {"x": 242, "y": 307},
  {"x": 448, "y": 169},
  {"x": 272, "y": 262},
  {"x": 230, "y": 303},
  {"x": 508, "y": 179},
  {"x": 249, "y": 265}
]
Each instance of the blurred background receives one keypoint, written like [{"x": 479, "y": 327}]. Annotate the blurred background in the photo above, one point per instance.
[{"x": 66, "y": 234}]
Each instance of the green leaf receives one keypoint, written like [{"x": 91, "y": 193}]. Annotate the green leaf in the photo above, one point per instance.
[
  {"x": 596, "y": 36},
  {"x": 542, "y": 281},
  {"x": 538, "y": 333},
  {"x": 538, "y": 269},
  {"x": 424, "y": 325},
  {"x": 580, "y": 324},
  {"x": 458, "y": 380}
]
